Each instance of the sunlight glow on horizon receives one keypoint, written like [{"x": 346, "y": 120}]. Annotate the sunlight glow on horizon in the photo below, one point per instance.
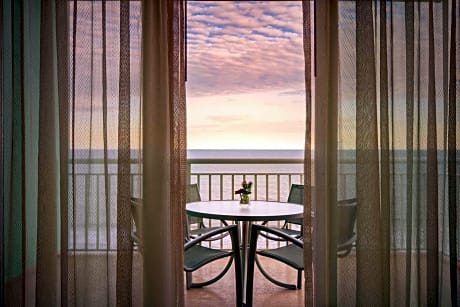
[{"x": 247, "y": 121}]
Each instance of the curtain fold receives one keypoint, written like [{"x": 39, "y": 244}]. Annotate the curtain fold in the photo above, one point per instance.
[
  {"x": 454, "y": 220},
  {"x": 48, "y": 185},
  {"x": 104, "y": 77},
  {"x": 385, "y": 200},
  {"x": 432, "y": 223},
  {"x": 2, "y": 193},
  {"x": 70, "y": 87},
  {"x": 307, "y": 235},
  {"x": 62, "y": 59},
  {"x": 164, "y": 148},
  {"x": 369, "y": 247},
  {"x": 20, "y": 75},
  {"x": 409, "y": 31},
  {"x": 325, "y": 157},
  {"x": 398, "y": 143},
  {"x": 124, "y": 245}
]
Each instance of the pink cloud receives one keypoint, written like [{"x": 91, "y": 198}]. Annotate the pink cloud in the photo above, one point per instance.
[{"x": 238, "y": 47}]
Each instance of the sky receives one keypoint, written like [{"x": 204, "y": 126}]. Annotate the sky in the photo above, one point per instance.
[
  {"x": 245, "y": 75},
  {"x": 245, "y": 66}
]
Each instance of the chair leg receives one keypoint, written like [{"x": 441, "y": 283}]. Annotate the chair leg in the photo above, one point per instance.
[
  {"x": 271, "y": 279},
  {"x": 344, "y": 253},
  {"x": 188, "y": 280},
  {"x": 299, "y": 279}
]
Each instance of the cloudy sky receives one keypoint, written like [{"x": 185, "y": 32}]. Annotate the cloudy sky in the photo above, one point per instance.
[{"x": 245, "y": 86}]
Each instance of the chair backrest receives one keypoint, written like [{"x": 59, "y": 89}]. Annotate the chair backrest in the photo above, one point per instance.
[
  {"x": 193, "y": 194},
  {"x": 296, "y": 194},
  {"x": 296, "y": 197},
  {"x": 136, "y": 213},
  {"x": 346, "y": 219}
]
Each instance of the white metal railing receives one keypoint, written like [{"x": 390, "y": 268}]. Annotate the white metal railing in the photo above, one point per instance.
[
  {"x": 217, "y": 179},
  {"x": 269, "y": 184}
]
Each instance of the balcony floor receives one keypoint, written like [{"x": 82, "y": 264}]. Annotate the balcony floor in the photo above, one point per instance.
[
  {"x": 222, "y": 293},
  {"x": 91, "y": 272}
]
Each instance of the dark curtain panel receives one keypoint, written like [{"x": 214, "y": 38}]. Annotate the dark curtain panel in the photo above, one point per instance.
[
  {"x": 398, "y": 144},
  {"x": 20, "y": 83},
  {"x": 307, "y": 7},
  {"x": 71, "y": 129},
  {"x": 2, "y": 199},
  {"x": 164, "y": 151},
  {"x": 103, "y": 111}
]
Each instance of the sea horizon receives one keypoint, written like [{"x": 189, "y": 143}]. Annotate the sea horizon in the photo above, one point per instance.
[{"x": 251, "y": 154}]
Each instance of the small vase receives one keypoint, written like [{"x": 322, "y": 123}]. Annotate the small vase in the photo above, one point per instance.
[{"x": 244, "y": 199}]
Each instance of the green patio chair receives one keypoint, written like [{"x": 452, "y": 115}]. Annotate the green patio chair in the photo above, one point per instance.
[
  {"x": 295, "y": 197},
  {"x": 197, "y": 256},
  {"x": 193, "y": 195},
  {"x": 292, "y": 253},
  {"x": 346, "y": 236},
  {"x": 200, "y": 229},
  {"x": 136, "y": 230}
]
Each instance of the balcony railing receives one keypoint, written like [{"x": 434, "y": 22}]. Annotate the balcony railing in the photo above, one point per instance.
[{"x": 218, "y": 179}]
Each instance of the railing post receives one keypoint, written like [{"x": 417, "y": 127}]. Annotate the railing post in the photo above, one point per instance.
[{"x": 188, "y": 172}]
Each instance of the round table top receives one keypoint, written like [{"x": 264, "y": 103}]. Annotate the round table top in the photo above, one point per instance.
[{"x": 257, "y": 210}]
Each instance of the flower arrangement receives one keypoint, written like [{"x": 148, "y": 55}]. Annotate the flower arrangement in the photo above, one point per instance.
[{"x": 244, "y": 192}]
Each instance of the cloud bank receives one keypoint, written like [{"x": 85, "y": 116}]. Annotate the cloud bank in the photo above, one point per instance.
[{"x": 241, "y": 47}]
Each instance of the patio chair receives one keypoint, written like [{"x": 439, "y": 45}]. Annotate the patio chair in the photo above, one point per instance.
[
  {"x": 346, "y": 236},
  {"x": 292, "y": 253},
  {"x": 197, "y": 256},
  {"x": 295, "y": 197},
  {"x": 192, "y": 195},
  {"x": 136, "y": 231}
]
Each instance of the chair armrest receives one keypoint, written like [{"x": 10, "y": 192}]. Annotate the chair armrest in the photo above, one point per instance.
[
  {"x": 135, "y": 238},
  {"x": 232, "y": 229},
  {"x": 349, "y": 243},
  {"x": 258, "y": 228},
  {"x": 346, "y": 202}
]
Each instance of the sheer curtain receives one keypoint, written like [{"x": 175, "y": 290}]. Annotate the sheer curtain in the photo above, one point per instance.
[
  {"x": 308, "y": 26},
  {"x": 386, "y": 133},
  {"x": 21, "y": 32},
  {"x": 104, "y": 103},
  {"x": 71, "y": 92},
  {"x": 164, "y": 151}
]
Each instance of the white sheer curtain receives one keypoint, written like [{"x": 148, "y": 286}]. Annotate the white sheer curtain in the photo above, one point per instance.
[
  {"x": 74, "y": 134},
  {"x": 164, "y": 151},
  {"x": 72, "y": 94},
  {"x": 386, "y": 132}
]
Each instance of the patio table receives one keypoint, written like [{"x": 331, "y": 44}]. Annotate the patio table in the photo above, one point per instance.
[{"x": 244, "y": 214}]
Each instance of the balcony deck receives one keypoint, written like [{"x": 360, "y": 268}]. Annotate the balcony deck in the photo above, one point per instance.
[
  {"x": 265, "y": 293},
  {"x": 222, "y": 293},
  {"x": 91, "y": 273}
]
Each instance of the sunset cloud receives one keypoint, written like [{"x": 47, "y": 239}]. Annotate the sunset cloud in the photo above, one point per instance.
[{"x": 240, "y": 47}]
